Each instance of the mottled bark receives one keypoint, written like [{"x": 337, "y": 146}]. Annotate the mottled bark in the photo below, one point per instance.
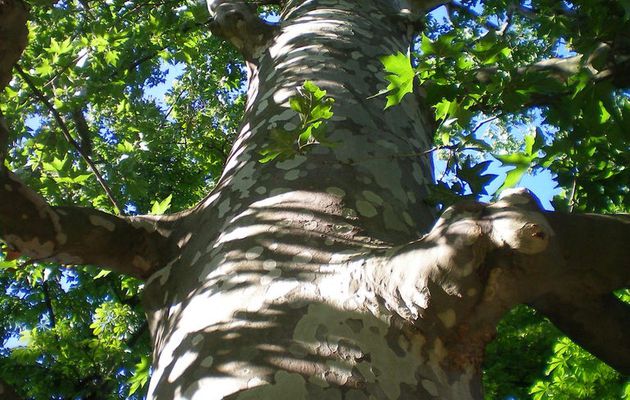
[
  {"x": 323, "y": 275},
  {"x": 13, "y": 36},
  {"x": 31, "y": 227},
  {"x": 73, "y": 235},
  {"x": 310, "y": 277}
]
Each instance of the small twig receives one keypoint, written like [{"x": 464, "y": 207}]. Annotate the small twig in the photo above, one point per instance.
[
  {"x": 66, "y": 134},
  {"x": 65, "y": 68},
  {"x": 49, "y": 306},
  {"x": 4, "y": 140},
  {"x": 572, "y": 195},
  {"x": 170, "y": 109},
  {"x": 482, "y": 123},
  {"x": 491, "y": 26}
]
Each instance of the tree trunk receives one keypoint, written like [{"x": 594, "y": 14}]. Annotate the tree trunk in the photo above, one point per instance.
[
  {"x": 319, "y": 275},
  {"x": 270, "y": 296}
]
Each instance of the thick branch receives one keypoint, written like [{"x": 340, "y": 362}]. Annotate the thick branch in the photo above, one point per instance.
[
  {"x": 611, "y": 67},
  {"x": 595, "y": 248},
  {"x": 480, "y": 260},
  {"x": 13, "y": 36},
  {"x": 6, "y": 391},
  {"x": 74, "y": 235},
  {"x": 599, "y": 324},
  {"x": 238, "y": 22},
  {"x": 13, "y": 40},
  {"x": 560, "y": 69}
]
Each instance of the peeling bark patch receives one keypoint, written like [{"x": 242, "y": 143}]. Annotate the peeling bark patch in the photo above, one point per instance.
[
  {"x": 197, "y": 339},
  {"x": 269, "y": 265},
  {"x": 224, "y": 207},
  {"x": 335, "y": 191},
  {"x": 408, "y": 219},
  {"x": 102, "y": 222},
  {"x": 430, "y": 387},
  {"x": 196, "y": 258},
  {"x": 207, "y": 362},
  {"x": 141, "y": 263},
  {"x": 254, "y": 253},
  {"x": 448, "y": 318},
  {"x": 366, "y": 209},
  {"x": 292, "y": 175},
  {"x": 372, "y": 197},
  {"x": 327, "y": 331},
  {"x": 303, "y": 257},
  {"x": 66, "y": 258},
  {"x": 32, "y": 248},
  {"x": 61, "y": 238}
]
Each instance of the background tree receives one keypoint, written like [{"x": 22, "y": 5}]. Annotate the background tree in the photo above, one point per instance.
[{"x": 301, "y": 273}]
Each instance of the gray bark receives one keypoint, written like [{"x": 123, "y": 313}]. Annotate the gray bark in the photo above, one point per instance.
[
  {"x": 261, "y": 300},
  {"x": 322, "y": 276},
  {"x": 314, "y": 277}
]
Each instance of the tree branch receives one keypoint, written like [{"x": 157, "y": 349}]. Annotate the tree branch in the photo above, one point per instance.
[
  {"x": 238, "y": 22},
  {"x": 13, "y": 36},
  {"x": 560, "y": 69},
  {"x": 66, "y": 134},
  {"x": 49, "y": 306},
  {"x": 6, "y": 391},
  {"x": 599, "y": 324},
  {"x": 480, "y": 260},
  {"x": 472, "y": 13},
  {"x": 595, "y": 250},
  {"x": 134, "y": 246},
  {"x": 616, "y": 67}
]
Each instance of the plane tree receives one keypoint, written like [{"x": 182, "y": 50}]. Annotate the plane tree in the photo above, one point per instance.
[{"x": 308, "y": 251}]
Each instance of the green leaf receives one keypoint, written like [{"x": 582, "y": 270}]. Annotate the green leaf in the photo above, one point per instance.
[
  {"x": 101, "y": 274},
  {"x": 426, "y": 45},
  {"x": 140, "y": 375},
  {"x": 112, "y": 57},
  {"x": 160, "y": 207},
  {"x": 313, "y": 89},
  {"x": 44, "y": 69},
  {"x": 58, "y": 48},
  {"x": 8, "y": 264},
  {"x": 513, "y": 177},
  {"x": 400, "y": 76},
  {"x": 296, "y": 104}
]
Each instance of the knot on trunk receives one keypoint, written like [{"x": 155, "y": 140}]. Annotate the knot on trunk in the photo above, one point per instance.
[
  {"x": 238, "y": 22},
  {"x": 515, "y": 221}
]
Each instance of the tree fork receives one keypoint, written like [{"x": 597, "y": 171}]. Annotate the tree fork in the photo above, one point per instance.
[
  {"x": 318, "y": 281},
  {"x": 312, "y": 276}
]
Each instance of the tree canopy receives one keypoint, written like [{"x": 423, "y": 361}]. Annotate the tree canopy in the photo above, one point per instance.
[{"x": 131, "y": 107}]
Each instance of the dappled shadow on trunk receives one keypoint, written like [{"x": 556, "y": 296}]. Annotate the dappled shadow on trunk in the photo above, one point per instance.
[{"x": 330, "y": 352}]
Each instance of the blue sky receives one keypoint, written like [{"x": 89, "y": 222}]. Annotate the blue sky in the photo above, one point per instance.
[{"x": 542, "y": 183}]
